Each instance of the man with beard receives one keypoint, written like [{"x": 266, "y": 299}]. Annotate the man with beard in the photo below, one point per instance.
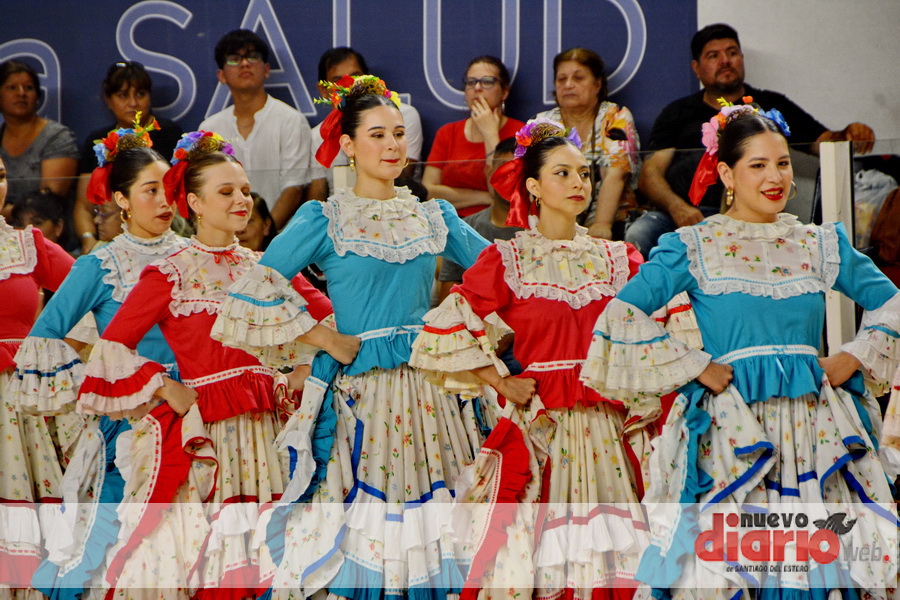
[{"x": 676, "y": 136}]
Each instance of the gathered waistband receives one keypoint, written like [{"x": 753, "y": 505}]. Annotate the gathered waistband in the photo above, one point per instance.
[
  {"x": 766, "y": 351},
  {"x": 555, "y": 365},
  {"x": 390, "y": 332},
  {"x": 223, "y": 375}
]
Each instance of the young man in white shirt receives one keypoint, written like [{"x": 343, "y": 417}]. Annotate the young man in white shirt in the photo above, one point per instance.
[{"x": 270, "y": 138}]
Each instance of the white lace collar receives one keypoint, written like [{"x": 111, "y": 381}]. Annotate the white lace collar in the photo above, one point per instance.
[
  {"x": 202, "y": 274},
  {"x": 576, "y": 271},
  {"x": 125, "y": 257},
  {"x": 781, "y": 259},
  {"x": 18, "y": 256},
  {"x": 395, "y": 230}
]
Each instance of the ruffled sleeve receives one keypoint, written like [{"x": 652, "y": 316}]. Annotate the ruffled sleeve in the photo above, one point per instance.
[
  {"x": 53, "y": 263},
  {"x": 678, "y": 317},
  {"x": 264, "y": 315},
  {"x": 877, "y": 345},
  {"x": 48, "y": 371},
  {"x": 118, "y": 381},
  {"x": 632, "y": 357},
  {"x": 462, "y": 333},
  {"x": 464, "y": 244}
]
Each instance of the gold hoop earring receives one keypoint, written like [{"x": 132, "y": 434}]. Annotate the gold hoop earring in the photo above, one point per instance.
[
  {"x": 537, "y": 201},
  {"x": 407, "y": 162},
  {"x": 729, "y": 197},
  {"x": 352, "y": 164},
  {"x": 124, "y": 215},
  {"x": 793, "y": 185}
]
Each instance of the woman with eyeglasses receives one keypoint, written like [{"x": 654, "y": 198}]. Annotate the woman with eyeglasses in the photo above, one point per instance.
[
  {"x": 455, "y": 168},
  {"x": 611, "y": 142},
  {"x": 38, "y": 153},
  {"x": 126, "y": 91}
]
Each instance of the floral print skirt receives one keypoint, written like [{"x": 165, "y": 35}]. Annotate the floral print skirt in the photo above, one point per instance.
[
  {"x": 380, "y": 519},
  {"x": 813, "y": 455}
]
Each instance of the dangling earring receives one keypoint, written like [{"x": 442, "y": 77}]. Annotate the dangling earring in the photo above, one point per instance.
[
  {"x": 794, "y": 186},
  {"x": 124, "y": 215},
  {"x": 729, "y": 197},
  {"x": 537, "y": 201},
  {"x": 199, "y": 220},
  {"x": 352, "y": 164}
]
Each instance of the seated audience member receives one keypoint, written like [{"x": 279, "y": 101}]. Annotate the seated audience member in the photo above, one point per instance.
[
  {"x": 609, "y": 139},
  {"x": 108, "y": 221},
  {"x": 43, "y": 210},
  {"x": 260, "y": 228},
  {"x": 38, "y": 153},
  {"x": 455, "y": 169},
  {"x": 676, "y": 136},
  {"x": 334, "y": 64},
  {"x": 126, "y": 89},
  {"x": 270, "y": 138}
]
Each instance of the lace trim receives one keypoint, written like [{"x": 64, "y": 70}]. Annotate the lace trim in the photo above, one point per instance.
[
  {"x": 125, "y": 257},
  {"x": 395, "y": 230},
  {"x": 576, "y": 272},
  {"x": 730, "y": 256},
  {"x": 201, "y": 275},
  {"x": 48, "y": 373},
  {"x": 18, "y": 255}
]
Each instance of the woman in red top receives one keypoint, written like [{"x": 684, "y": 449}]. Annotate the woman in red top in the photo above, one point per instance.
[
  {"x": 233, "y": 473},
  {"x": 30, "y": 471},
  {"x": 455, "y": 170},
  {"x": 585, "y": 453}
]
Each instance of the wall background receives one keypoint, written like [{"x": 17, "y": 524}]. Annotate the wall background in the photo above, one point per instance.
[{"x": 836, "y": 59}]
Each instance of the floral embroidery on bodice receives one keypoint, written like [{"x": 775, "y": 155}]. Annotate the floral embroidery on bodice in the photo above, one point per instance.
[
  {"x": 778, "y": 260},
  {"x": 394, "y": 230},
  {"x": 125, "y": 257},
  {"x": 18, "y": 255},
  {"x": 202, "y": 274},
  {"x": 576, "y": 271}
]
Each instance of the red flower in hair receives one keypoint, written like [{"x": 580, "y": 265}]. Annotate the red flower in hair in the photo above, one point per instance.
[{"x": 346, "y": 81}]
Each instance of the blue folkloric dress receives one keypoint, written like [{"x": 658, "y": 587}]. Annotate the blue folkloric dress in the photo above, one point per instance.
[
  {"x": 399, "y": 442},
  {"x": 587, "y": 451},
  {"x": 30, "y": 465},
  {"x": 780, "y": 439},
  {"x": 47, "y": 378},
  {"x": 217, "y": 465}
]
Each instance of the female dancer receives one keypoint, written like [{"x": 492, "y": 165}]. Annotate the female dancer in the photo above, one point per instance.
[
  {"x": 49, "y": 372},
  {"x": 549, "y": 284},
  {"x": 399, "y": 442},
  {"x": 232, "y": 390},
  {"x": 30, "y": 472},
  {"x": 771, "y": 426}
]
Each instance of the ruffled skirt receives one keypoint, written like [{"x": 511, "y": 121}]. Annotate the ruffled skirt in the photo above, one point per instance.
[
  {"x": 378, "y": 523},
  {"x": 585, "y": 532},
  {"x": 785, "y": 466}
]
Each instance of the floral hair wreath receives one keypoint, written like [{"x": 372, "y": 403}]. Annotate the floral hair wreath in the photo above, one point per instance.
[
  {"x": 509, "y": 179},
  {"x": 707, "y": 173},
  {"x": 191, "y": 146},
  {"x": 338, "y": 93},
  {"x": 107, "y": 149}
]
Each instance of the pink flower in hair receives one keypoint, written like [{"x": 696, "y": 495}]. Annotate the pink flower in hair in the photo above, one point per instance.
[{"x": 711, "y": 136}]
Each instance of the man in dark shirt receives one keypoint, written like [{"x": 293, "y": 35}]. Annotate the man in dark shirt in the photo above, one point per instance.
[{"x": 676, "y": 136}]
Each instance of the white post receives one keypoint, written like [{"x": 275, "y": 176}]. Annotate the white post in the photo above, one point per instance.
[{"x": 837, "y": 205}]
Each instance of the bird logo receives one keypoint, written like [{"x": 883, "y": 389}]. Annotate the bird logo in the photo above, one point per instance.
[{"x": 836, "y": 523}]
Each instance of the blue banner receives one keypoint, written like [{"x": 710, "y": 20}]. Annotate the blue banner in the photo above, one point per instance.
[{"x": 419, "y": 48}]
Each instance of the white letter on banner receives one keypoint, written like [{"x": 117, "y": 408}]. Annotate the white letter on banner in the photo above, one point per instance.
[
  {"x": 434, "y": 72},
  {"x": 48, "y": 75},
  {"x": 636, "y": 28},
  {"x": 157, "y": 62},
  {"x": 260, "y": 14},
  {"x": 340, "y": 19}
]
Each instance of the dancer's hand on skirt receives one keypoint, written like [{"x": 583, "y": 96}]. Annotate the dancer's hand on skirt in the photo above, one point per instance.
[
  {"x": 716, "y": 377},
  {"x": 179, "y": 396},
  {"x": 296, "y": 379},
  {"x": 343, "y": 348},
  {"x": 517, "y": 390},
  {"x": 840, "y": 367}
]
